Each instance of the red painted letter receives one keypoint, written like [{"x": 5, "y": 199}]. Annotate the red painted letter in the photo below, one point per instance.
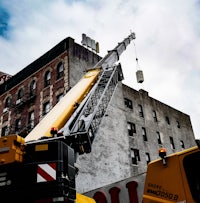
[
  {"x": 100, "y": 197},
  {"x": 114, "y": 194},
  {"x": 132, "y": 191}
]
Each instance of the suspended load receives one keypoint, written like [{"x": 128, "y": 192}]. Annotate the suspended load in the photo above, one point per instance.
[{"x": 139, "y": 76}]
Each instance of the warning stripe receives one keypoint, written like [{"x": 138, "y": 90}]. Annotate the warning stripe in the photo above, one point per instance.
[{"x": 46, "y": 172}]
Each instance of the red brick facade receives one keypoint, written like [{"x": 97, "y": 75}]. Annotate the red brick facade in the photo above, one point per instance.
[{"x": 31, "y": 93}]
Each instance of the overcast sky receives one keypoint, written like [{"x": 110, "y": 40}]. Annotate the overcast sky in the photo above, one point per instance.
[{"x": 167, "y": 40}]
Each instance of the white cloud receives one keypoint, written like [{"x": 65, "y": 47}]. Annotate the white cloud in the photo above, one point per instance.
[{"x": 167, "y": 41}]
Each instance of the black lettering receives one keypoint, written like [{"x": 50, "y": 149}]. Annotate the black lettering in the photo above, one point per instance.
[
  {"x": 163, "y": 194},
  {"x": 175, "y": 197},
  {"x": 170, "y": 196}
]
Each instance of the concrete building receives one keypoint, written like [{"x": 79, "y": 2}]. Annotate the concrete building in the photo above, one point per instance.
[{"x": 134, "y": 128}]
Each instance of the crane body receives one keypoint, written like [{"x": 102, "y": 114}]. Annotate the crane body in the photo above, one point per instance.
[{"x": 41, "y": 168}]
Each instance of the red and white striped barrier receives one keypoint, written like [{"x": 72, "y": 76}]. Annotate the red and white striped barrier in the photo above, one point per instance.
[{"x": 46, "y": 172}]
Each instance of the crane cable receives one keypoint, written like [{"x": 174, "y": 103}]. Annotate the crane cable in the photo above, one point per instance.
[{"x": 137, "y": 63}]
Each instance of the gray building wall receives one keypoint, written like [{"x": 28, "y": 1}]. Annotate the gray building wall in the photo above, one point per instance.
[
  {"x": 109, "y": 160},
  {"x": 112, "y": 159}
]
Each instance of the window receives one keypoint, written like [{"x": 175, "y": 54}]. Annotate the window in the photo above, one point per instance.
[
  {"x": 155, "y": 116},
  {"x": 178, "y": 124},
  {"x": 182, "y": 144},
  {"x": 5, "y": 131},
  {"x": 141, "y": 114},
  {"x": 60, "y": 70},
  {"x": 32, "y": 88},
  {"x": 18, "y": 125},
  {"x": 131, "y": 128},
  {"x": 144, "y": 134},
  {"x": 159, "y": 138},
  {"x": 59, "y": 97},
  {"x": 31, "y": 120},
  {"x": 7, "y": 104},
  {"x": 128, "y": 103},
  {"x": 46, "y": 108},
  {"x": 147, "y": 157},
  {"x": 20, "y": 94},
  {"x": 172, "y": 142},
  {"x": 47, "y": 78},
  {"x": 135, "y": 156},
  {"x": 167, "y": 120}
]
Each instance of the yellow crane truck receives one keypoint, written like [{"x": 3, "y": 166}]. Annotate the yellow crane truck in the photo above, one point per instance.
[
  {"x": 174, "y": 178},
  {"x": 40, "y": 168}
]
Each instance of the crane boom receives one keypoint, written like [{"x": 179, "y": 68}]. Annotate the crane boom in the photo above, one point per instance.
[
  {"x": 62, "y": 111},
  {"x": 77, "y": 117}
]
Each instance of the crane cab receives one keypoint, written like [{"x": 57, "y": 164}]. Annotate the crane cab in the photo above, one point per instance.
[{"x": 175, "y": 180}]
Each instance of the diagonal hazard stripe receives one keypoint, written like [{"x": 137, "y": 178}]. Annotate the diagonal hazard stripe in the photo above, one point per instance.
[
  {"x": 53, "y": 165},
  {"x": 46, "y": 172}
]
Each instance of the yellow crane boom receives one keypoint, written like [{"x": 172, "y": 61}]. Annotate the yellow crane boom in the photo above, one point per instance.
[{"x": 62, "y": 111}]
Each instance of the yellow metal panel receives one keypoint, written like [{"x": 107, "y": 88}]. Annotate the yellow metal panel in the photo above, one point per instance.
[
  {"x": 83, "y": 199},
  {"x": 62, "y": 111},
  {"x": 184, "y": 177},
  {"x": 11, "y": 149},
  {"x": 164, "y": 183},
  {"x": 41, "y": 147},
  {"x": 168, "y": 183}
]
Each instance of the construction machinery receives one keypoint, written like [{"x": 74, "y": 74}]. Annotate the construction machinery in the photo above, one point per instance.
[
  {"x": 41, "y": 167},
  {"x": 174, "y": 178}
]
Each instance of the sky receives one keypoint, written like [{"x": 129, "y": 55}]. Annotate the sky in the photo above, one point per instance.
[{"x": 167, "y": 41}]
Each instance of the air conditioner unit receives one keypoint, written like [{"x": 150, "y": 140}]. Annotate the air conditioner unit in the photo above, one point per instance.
[
  {"x": 5, "y": 109},
  {"x": 18, "y": 101}
]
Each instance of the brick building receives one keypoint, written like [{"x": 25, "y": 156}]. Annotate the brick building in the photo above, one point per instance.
[
  {"x": 134, "y": 128},
  {"x": 33, "y": 91}
]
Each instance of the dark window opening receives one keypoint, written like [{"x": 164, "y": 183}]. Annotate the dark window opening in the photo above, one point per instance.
[
  {"x": 7, "y": 104},
  {"x": 178, "y": 124},
  {"x": 182, "y": 144},
  {"x": 60, "y": 70},
  {"x": 128, "y": 103},
  {"x": 148, "y": 159},
  {"x": 135, "y": 156},
  {"x": 31, "y": 119},
  {"x": 172, "y": 142},
  {"x": 141, "y": 114},
  {"x": 46, "y": 108},
  {"x": 144, "y": 134},
  {"x": 167, "y": 120},
  {"x": 32, "y": 88},
  {"x": 47, "y": 78},
  {"x": 59, "y": 97},
  {"x": 18, "y": 125},
  {"x": 4, "y": 131},
  {"x": 155, "y": 116},
  {"x": 159, "y": 138},
  {"x": 131, "y": 128},
  {"x": 20, "y": 94}
]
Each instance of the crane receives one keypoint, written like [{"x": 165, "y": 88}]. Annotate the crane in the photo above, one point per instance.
[{"x": 45, "y": 159}]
